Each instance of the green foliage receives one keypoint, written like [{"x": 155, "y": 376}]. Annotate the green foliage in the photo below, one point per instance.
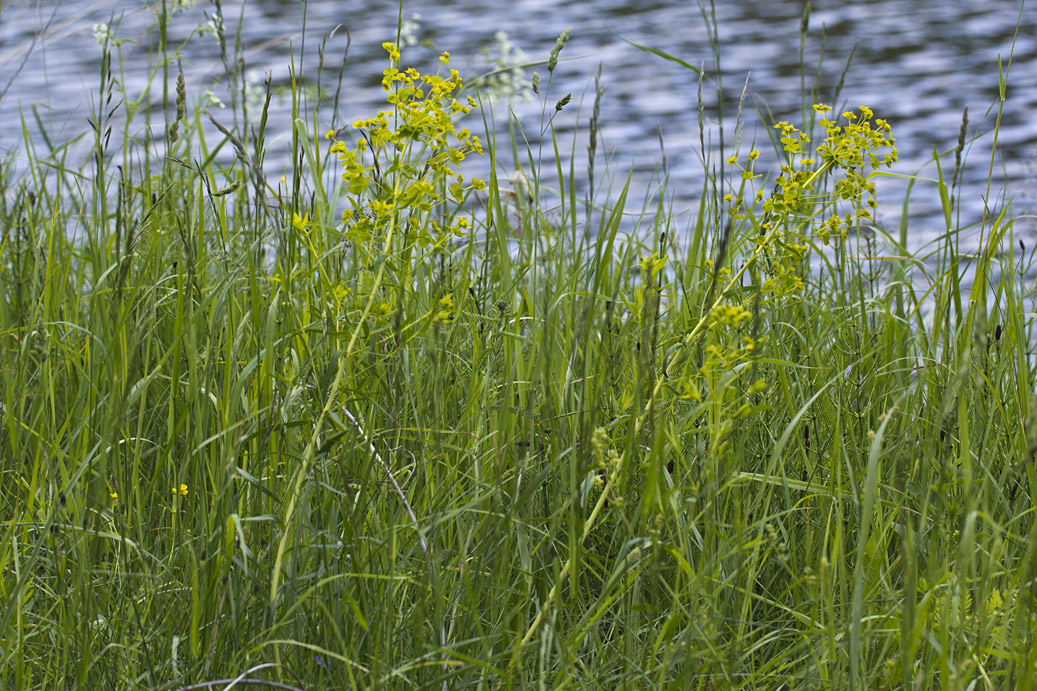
[{"x": 383, "y": 424}]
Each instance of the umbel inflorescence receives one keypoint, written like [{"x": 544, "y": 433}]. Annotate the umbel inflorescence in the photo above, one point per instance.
[
  {"x": 819, "y": 194},
  {"x": 406, "y": 160},
  {"x": 782, "y": 225}
]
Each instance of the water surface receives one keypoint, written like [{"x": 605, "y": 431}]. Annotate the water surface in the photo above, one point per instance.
[{"x": 917, "y": 63}]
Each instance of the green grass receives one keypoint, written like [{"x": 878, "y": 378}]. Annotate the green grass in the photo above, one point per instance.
[{"x": 529, "y": 457}]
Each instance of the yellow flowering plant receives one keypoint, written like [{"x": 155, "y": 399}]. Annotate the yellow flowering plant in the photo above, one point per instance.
[
  {"x": 404, "y": 187},
  {"x": 405, "y": 163},
  {"x": 775, "y": 235},
  {"x": 781, "y": 226}
]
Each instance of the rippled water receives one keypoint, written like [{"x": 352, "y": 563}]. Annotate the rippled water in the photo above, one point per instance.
[{"x": 917, "y": 63}]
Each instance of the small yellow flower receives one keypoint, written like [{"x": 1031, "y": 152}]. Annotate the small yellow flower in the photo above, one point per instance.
[
  {"x": 445, "y": 58},
  {"x": 753, "y": 155},
  {"x": 114, "y": 496},
  {"x": 380, "y": 208},
  {"x": 447, "y": 310},
  {"x": 330, "y": 134},
  {"x": 735, "y": 315},
  {"x": 392, "y": 50},
  {"x": 652, "y": 263},
  {"x": 181, "y": 490},
  {"x": 732, "y": 160}
]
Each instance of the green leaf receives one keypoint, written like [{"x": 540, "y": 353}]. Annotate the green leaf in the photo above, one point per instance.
[{"x": 662, "y": 54}]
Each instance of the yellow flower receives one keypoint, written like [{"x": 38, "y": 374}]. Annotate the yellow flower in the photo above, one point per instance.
[
  {"x": 447, "y": 310},
  {"x": 652, "y": 263},
  {"x": 114, "y": 495},
  {"x": 392, "y": 50},
  {"x": 734, "y": 315},
  {"x": 380, "y": 208},
  {"x": 329, "y": 134},
  {"x": 181, "y": 490},
  {"x": 445, "y": 58}
]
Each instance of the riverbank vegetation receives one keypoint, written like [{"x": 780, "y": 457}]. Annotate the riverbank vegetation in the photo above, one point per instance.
[{"x": 382, "y": 422}]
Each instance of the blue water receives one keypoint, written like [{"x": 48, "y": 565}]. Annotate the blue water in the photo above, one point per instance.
[{"x": 917, "y": 64}]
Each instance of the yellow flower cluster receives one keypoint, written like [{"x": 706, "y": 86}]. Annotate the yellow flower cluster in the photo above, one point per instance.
[
  {"x": 853, "y": 148},
  {"x": 779, "y": 230},
  {"x": 402, "y": 152},
  {"x": 728, "y": 315},
  {"x": 849, "y": 149},
  {"x": 847, "y": 153},
  {"x": 446, "y": 311}
]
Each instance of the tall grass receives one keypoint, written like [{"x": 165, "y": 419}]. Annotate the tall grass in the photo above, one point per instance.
[{"x": 239, "y": 444}]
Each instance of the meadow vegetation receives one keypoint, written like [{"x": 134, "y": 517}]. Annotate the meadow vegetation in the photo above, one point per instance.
[{"x": 383, "y": 423}]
